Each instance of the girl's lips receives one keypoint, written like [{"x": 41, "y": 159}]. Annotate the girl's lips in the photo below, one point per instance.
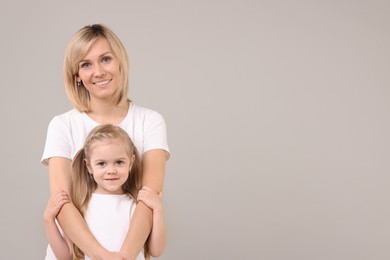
[{"x": 112, "y": 179}]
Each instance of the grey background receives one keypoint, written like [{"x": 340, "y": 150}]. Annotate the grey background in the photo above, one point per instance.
[{"x": 277, "y": 114}]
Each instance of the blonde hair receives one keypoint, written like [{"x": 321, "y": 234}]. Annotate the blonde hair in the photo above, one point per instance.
[
  {"x": 78, "y": 47},
  {"x": 83, "y": 185}
]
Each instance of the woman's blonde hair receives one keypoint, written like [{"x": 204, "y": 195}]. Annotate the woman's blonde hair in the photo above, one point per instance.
[
  {"x": 78, "y": 47},
  {"x": 83, "y": 183}
]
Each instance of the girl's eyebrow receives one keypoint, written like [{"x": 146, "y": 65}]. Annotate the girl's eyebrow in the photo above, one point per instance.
[{"x": 100, "y": 56}]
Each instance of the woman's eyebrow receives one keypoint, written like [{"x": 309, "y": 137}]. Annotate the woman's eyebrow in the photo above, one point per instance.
[{"x": 101, "y": 55}]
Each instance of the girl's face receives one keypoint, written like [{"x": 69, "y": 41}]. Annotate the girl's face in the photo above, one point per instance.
[
  {"x": 99, "y": 70},
  {"x": 110, "y": 165}
]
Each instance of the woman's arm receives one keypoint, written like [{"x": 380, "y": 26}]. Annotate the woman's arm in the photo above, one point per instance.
[
  {"x": 153, "y": 163},
  {"x": 70, "y": 219},
  {"x": 157, "y": 238},
  {"x": 57, "y": 242}
]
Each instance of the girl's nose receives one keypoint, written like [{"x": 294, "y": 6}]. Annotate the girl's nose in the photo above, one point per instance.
[{"x": 111, "y": 169}]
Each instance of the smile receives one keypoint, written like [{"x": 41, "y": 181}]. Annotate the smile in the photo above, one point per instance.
[
  {"x": 111, "y": 179},
  {"x": 102, "y": 83}
]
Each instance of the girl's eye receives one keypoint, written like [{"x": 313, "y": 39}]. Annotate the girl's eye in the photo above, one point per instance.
[
  {"x": 101, "y": 163},
  {"x": 106, "y": 59},
  {"x": 120, "y": 162}
]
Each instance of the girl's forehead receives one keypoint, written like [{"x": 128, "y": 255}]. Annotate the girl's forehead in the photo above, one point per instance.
[
  {"x": 116, "y": 144},
  {"x": 106, "y": 141}
]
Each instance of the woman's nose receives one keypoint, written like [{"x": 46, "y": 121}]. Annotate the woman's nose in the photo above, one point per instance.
[{"x": 98, "y": 70}]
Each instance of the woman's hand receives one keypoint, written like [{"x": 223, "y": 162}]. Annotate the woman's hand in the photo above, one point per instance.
[
  {"x": 54, "y": 205},
  {"x": 150, "y": 198}
]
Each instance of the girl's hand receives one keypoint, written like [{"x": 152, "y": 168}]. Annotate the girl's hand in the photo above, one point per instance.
[
  {"x": 150, "y": 198},
  {"x": 54, "y": 205}
]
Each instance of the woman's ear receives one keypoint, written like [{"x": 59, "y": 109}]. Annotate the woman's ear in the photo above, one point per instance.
[{"x": 78, "y": 79}]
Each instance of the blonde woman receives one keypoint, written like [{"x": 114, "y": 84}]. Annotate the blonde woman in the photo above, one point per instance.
[
  {"x": 106, "y": 184},
  {"x": 96, "y": 81}
]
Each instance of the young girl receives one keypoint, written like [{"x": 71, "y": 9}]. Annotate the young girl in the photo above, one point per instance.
[{"x": 106, "y": 183}]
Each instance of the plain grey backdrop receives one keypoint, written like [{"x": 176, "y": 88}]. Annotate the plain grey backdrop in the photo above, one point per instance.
[{"x": 277, "y": 114}]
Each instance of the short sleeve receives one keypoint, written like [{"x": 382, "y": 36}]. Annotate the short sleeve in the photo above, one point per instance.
[
  {"x": 155, "y": 133},
  {"x": 58, "y": 141}
]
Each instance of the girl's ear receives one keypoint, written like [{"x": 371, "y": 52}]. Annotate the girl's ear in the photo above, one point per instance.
[{"x": 88, "y": 165}]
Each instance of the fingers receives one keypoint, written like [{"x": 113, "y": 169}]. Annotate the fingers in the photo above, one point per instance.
[
  {"x": 150, "y": 198},
  {"x": 55, "y": 203},
  {"x": 62, "y": 199},
  {"x": 59, "y": 199},
  {"x": 146, "y": 188}
]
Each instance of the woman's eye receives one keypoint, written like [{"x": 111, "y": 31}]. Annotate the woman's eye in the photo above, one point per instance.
[
  {"x": 106, "y": 59},
  {"x": 85, "y": 65}
]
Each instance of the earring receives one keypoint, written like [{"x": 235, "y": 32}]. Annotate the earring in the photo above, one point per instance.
[{"x": 78, "y": 83}]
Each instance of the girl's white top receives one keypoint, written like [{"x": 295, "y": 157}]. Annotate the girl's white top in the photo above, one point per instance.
[{"x": 108, "y": 218}]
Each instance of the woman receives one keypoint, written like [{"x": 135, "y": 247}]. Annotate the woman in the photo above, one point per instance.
[{"x": 96, "y": 81}]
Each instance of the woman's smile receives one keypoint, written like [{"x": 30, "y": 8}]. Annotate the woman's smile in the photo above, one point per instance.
[{"x": 102, "y": 83}]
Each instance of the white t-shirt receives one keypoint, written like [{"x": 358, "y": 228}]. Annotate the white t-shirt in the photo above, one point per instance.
[
  {"x": 67, "y": 132},
  {"x": 108, "y": 218}
]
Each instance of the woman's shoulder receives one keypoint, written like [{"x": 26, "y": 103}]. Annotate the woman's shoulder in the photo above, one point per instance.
[
  {"x": 144, "y": 112},
  {"x": 72, "y": 113},
  {"x": 71, "y": 120}
]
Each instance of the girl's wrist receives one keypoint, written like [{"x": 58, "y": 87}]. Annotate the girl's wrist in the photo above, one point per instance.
[
  {"x": 158, "y": 210},
  {"x": 48, "y": 219}
]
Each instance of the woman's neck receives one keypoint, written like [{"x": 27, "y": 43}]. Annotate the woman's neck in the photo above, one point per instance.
[{"x": 108, "y": 112}]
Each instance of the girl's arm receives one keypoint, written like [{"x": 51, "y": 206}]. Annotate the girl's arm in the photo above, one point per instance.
[
  {"x": 157, "y": 239},
  {"x": 57, "y": 242},
  {"x": 153, "y": 164},
  {"x": 70, "y": 219}
]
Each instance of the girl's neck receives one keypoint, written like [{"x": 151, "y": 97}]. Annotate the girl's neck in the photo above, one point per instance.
[
  {"x": 110, "y": 194},
  {"x": 108, "y": 112}
]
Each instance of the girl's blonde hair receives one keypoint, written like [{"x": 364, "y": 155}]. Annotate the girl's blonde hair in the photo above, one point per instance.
[
  {"x": 83, "y": 183},
  {"x": 78, "y": 47}
]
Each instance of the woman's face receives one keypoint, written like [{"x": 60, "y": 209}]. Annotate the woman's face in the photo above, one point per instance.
[{"x": 99, "y": 70}]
